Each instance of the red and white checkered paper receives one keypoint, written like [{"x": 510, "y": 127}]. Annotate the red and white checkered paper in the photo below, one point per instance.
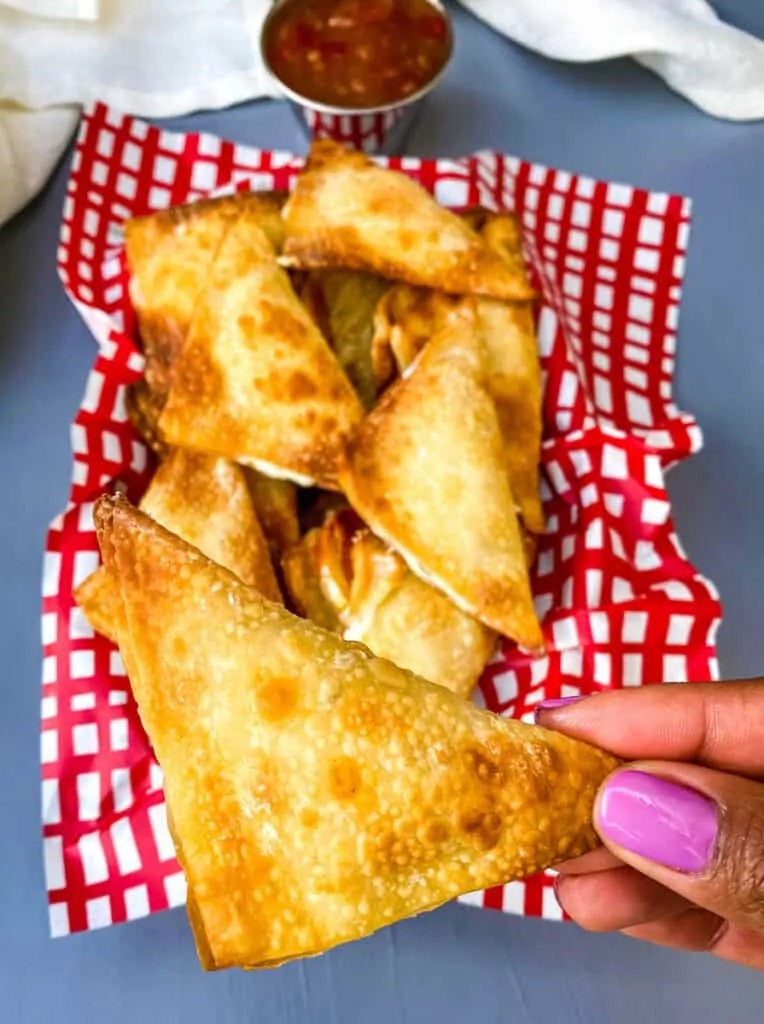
[
  {"x": 621, "y": 604},
  {"x": 367, "y": 132}
]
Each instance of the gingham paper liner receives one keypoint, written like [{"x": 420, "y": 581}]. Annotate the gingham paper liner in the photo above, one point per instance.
[
  {"x": 368, "y": 132},
  {"x": 622, "y": 604}
]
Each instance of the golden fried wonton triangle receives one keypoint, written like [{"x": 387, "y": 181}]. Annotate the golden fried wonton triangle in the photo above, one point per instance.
[
  {"x": 169, "y": 254},
  {"x": 345, "y": 579},
  {"x": 317, "y": 793},
  {"x": 205, "y": 500},
  {"x": 402, "y": 618},
  {"x": 255, "y": 380},
  {"x": 406, "y": 318},
  {"x": 510, "y": 338},
  {"x": 508, "y": 332},
  {"x": 345, "y": 211},
  {"x": 426, "y": 471}
]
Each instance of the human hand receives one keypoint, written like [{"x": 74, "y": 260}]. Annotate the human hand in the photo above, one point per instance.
[{"x": 683, "y": 827}]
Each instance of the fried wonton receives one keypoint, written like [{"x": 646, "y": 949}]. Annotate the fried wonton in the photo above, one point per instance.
[
  {"x": 255, "y": 380},
  {"x": 510, "y": 336},
  {"x": 503, "y": 234},
  {"x": 169, "y": 254},
  {"x": 205, "y": 500},
  {"x": 144, "y": 407},
  {"x": 515, "y": 375},
  {"x": 426, "y": 471},
  {"x": 318, "y": 571},
  {"x": 301, "y": 568},
  {"x": 530, "y": 546},
  {"x": 343, "y": 303},
  {"x": 345, "y": 579},
  {"x": 402, "y": 618},
  {"x": 404, "y": 321},
  {"x": 407, "y": 318},
  {"x": 317, "y": 793},
  {"x": 275, "y": 503},
  {"x": 98, "y": 597},
  {"x": 345, "y": 211}
]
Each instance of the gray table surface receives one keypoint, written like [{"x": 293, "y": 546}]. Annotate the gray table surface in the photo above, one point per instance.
[{"x": 612, "y": 121}]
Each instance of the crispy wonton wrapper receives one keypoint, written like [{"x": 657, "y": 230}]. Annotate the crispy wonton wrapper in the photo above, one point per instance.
[
  {"x": 301, "y": 568},
  {"x": 316, "y": 793},
  {"x": 318, "y": 571},
  {"x": 98, "y": 597},
  {"x": 144, "y": 407},
  {"x": 402, "y": 618},
  {"x": 510, "y": 337},
  {"x": 426, "y": 471},
  {"x": 169, "y": 254},
  {"x": 205, "y": 500},
  {"x": 345, "y": 211},
  {"x": 343, "y": 304},
  {"x": 515, "y": 375},
  {"x": 345, "y": 579},
  {"x": 405, "y": 320},
  {"x": 255, "y": 380},
  {"x": 503, "y": 234},
  {"x": 275, "y": 503}
]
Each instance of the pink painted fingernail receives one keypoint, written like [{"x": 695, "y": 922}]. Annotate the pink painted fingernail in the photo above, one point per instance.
[
  {"x": 660, "y": 820},
  {"x": 555, "y": 702}
]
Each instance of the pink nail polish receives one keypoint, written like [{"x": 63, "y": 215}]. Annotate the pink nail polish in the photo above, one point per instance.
[
  {"x": 555, "y": 702},
  {"x": 660, "y": 820}
]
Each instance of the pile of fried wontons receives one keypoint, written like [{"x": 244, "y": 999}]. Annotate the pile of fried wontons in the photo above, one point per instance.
[{"x": 343, "y": 391}]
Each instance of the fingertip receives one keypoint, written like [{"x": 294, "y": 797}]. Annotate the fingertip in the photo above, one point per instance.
[
  {"x": 643, "y": 814},
  {"x": 612, "y": 900},
  {"x": 544, "y": 713},
  {"x": 589, "y": 863}
]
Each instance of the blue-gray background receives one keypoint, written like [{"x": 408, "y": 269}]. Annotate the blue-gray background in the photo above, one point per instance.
[{"x": 612, "y": 121}]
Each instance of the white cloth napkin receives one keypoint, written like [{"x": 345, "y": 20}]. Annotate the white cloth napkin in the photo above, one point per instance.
[
  {"x": 717, "y": 67},
  {"x": 84, "y": 9},
  {"x": 31, "y": 142},
  {"x": 164, "y": 57}
]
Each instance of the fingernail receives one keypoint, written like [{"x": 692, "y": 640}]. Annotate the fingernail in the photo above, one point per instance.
[
  {"x": 660, "y": 820},
  {"x": 554, "y": 702}
]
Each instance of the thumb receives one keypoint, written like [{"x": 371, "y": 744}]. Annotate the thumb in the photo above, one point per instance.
[{"x": 696, "y": 831}]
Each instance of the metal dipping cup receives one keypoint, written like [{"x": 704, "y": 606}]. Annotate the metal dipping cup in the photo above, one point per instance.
[{"x": 371, "y": 129}]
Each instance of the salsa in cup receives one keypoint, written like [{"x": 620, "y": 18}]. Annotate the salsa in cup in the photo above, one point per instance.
[{"x": 357, "y": 54}]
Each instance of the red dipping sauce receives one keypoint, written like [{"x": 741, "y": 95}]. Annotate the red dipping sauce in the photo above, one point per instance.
[{"x": 356, "y": 54}]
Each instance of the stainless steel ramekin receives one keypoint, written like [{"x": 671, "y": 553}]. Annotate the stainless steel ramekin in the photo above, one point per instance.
[{"x": 373, "y": 130}]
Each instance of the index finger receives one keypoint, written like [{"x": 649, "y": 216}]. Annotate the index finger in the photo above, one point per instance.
[{"x": 720, "y": 725}]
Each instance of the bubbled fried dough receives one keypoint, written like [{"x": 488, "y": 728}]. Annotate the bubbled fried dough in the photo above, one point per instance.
[
  {"x": 402, "y": 618},
  {"x": 318, "y": 793},
  {"x": 205, "y": 500},
  {"x": 256, "y": 381},
  {"x": 346, "y": 211},
  {"x": 426, "y": 470},
  {"x": 169, "y": 254}
]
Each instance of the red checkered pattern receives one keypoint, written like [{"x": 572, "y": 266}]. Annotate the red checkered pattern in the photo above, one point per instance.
[
  {"x": 368, "y": 132},
  {"x": 621, "y": 605}
]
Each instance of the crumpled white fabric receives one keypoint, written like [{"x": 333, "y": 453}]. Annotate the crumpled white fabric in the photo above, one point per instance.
[
  {"x": 31, "y": 142},
  {"x": 155, "y": 58},
  {"x": 87, "y": 10},
  {"x": 717, "y": 67},
  {"x": 159, "y": 58}
]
